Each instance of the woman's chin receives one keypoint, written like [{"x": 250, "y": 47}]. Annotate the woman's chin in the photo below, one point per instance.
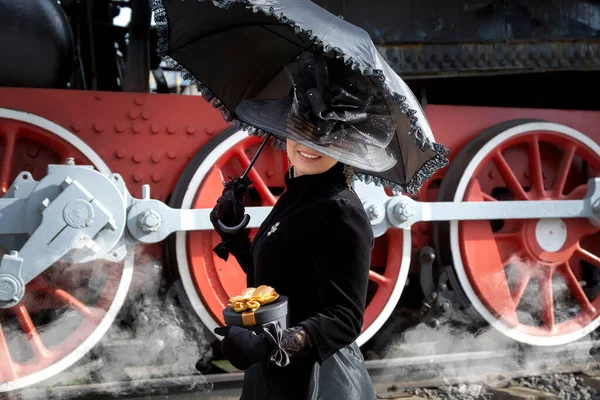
[{"x": 310, "y": 168}]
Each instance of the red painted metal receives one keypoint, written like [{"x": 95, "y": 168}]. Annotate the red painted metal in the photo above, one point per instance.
[
  {"x": 149, "y": 138},
  {"x": 533, "y": 166}
]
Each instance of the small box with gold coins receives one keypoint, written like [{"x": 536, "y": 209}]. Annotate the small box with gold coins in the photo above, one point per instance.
[{"x": 255, "y": 307}]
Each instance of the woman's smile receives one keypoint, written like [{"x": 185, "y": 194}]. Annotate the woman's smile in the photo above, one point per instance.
[
  {"x": 308, "y": 156},
  {"x": 307, "y": 161}
]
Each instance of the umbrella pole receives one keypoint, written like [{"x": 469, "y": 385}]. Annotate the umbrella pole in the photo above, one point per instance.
[
  {"x": 262, "y": 145},
  {"x": 246, "y": 219}
]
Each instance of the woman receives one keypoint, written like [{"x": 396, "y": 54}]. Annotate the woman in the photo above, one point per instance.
[
  {"x": 315, "y": 245},
  {"x": 315, "y": 248}
]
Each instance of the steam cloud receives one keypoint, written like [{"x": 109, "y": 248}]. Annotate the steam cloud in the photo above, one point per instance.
[
  {"x": 401, "y": 338},
  {"x": 153, "y": 336}
]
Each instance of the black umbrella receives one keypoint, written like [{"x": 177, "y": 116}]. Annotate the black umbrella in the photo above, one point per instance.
[{"x": 237, "y": 50}]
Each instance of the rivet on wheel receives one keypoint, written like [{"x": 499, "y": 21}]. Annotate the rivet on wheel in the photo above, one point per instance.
[
  {"x": 77, "y": 126},
  {"x": 98, "y": 127}
]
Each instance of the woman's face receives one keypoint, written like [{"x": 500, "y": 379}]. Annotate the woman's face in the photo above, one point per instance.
[{"x": 307, "y": 161}]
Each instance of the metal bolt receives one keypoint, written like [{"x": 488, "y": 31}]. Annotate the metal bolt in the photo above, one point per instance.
[
  {"x": 146, "y": 115},
  {"x": 8, "y": 289},
  {"x": 137, "y": 128},
  {"x": 149, "y": 221},
  {"x": 446, "y": 306},
  {"x": 70, "y": 161},
  {"x": 491, "y": 174},
  {"x": 191, "y": 130},
  {"x": 171, "y": 130},
  {"x": 120, "y": 154},
  {"x": 156, "y": 158},
  {"x": 33, "y": 152},
  {"x": 403, "y": 212},
  {"x": 132, "y": 114},
  {"x": 120, "y": 128},
  {"x": 374, "y": 212},
  {"x": 155, "y": 129},
  {"x": 139, "y": 100}
]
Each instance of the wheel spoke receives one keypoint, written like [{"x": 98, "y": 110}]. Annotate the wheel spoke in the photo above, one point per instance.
[
  {"x": 488, "y": 266},
  {"x": 7, "y": 372},
  {"x": 487, "y": 197},
  {"x": 30, "y": 330},
  {"x": 519, "y": 288},
  {"x": 535, "y": 165},
  {"x": 378, "y": 278},
  {"x": 578, "y": 193},
  {"x": 259, "y": 184},
  {"x": 509, "y": 177},
  {"x": 563, "y": 169},
  {"x": 588, "y": 257},
  {"x": 547, "y": 300},
  {"x": 7, "y": 161},
  {"x": 507, "y": 236},
  {"x": 576, "y": 290},
  {"x": 63, "y": 297}
]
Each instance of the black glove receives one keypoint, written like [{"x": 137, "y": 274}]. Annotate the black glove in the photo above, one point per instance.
[
  {"x": 230, "y": 211},
  {"x": 243, "y": 347}
]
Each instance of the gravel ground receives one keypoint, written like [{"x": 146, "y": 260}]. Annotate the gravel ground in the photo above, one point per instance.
[{"x": 566, "y": 386}]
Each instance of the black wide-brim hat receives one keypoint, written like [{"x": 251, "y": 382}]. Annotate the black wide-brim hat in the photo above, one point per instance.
[{"x": 331, "y": 109}]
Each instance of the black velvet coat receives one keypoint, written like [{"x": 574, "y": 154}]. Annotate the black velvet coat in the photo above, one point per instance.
[{"x": 315, "y": 248}]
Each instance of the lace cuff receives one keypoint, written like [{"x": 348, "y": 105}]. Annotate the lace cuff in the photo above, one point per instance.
[{"x": 287, "y": 344}]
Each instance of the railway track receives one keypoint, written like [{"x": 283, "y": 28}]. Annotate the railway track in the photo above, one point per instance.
[{"x": 491, "y": 374}]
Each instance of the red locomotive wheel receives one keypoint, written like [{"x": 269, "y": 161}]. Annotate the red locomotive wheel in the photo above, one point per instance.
[
  {"x": 67, "y": 309},
  {"x": 533, "y": 280},
  {"x": 209, "y": 281}
]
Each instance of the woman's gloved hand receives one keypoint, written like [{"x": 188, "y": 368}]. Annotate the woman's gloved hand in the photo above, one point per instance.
[
  {"x": 243, "y": 347},
  {"x": 230, "y": 206},
  {"x": 230, "y": 211}
]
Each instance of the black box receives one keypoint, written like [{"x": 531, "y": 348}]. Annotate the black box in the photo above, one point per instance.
[{"x": 253, "y": 320}]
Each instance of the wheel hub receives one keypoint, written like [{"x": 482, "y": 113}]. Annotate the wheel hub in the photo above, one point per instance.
[{"x": 547, "y": 241}]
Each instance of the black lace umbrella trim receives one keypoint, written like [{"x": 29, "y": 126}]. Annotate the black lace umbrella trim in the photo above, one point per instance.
[{"x": 438, "y": 161}]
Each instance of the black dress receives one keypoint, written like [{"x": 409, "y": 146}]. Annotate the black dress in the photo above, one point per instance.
[{"x": 315, "y": 248}]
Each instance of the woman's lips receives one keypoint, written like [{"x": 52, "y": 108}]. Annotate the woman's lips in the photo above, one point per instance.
[{"x": 308, "y": 156}]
